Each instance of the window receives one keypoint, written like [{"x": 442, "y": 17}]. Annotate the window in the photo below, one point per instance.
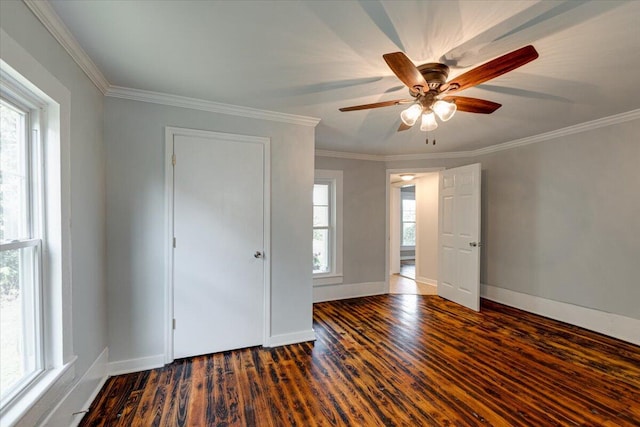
[
  {"x": 36, "y": 345},
  {"x": 35, "y": 261},
  {"x": 20, "y": 249},
  {"x": 408, "y": 218},
  {"x": 321, "y": 227},
  {"x": 327, "y": 227}
]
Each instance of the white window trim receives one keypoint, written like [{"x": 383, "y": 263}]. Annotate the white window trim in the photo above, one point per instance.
[
  {"x": 25, "y": 79},
  {"x": 35, "y": 226},
  {"x": 333, "y": 277}
]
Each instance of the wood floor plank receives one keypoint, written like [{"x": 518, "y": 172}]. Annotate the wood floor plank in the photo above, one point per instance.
[{"x": 394, "y": 360}]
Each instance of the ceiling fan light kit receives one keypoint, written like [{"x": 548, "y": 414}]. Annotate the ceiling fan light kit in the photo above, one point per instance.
[
  {"x": 445, "y": 110},
  {"x": 428, "y": 122},
  {"x": 430, "y": 90},
  {"x": 411, "y": 114}
]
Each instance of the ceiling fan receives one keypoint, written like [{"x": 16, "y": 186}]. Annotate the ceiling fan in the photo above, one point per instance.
[{"x": 431, "y": 93}]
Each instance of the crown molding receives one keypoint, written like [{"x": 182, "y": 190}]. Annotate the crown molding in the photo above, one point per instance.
[
  {"x": 52, "y": 22},
  {"x": 570, "y": 130},
  {"x": 204, "y": 105},
  {"x": 428, "y": 156},
  {"x": 351, "y": 156}
]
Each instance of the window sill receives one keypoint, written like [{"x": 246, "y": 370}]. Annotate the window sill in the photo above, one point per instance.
[
  {"x": 41, "y": 396},
  {"x": 324, "y": 280}
]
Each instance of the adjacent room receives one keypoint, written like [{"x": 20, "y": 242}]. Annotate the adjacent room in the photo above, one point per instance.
[{"x": 278, "y": 213}]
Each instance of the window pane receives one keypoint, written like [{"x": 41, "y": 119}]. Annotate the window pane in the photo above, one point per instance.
[
  {"x": 409, "y": 210},
  {"x": 321, "y": 251},
  {"x": 408, "y": 234},
  {"x": 18, "y": 343},
  {"x": 13, "y": 175},
  {"x": 320, "y": 216},
  {"x": 321, "y": 194}
]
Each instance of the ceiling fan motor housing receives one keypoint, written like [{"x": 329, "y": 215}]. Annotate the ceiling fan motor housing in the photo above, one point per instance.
[{"x": 434, "y": 73}]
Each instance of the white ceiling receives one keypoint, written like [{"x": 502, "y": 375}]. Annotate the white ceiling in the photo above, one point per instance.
[{"x": 312, "y": 57}]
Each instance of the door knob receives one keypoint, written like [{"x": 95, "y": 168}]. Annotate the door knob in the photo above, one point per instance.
[
  {"x": 258, "y": 254},
  {"x": 475, "y": 244}
]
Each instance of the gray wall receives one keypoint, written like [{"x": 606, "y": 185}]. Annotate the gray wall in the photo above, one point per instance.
[
  {"x": 560, "y": 218},
  {"x": 88, "y": 248},
  {"x": 363, "y": 218},
  {"x": 134, "y": 136}
]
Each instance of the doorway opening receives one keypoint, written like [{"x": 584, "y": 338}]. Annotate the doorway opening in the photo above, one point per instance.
[{"x": 412, "y": 259}]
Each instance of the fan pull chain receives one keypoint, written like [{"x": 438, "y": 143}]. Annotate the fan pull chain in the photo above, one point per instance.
[{"x": 427, "y": 141}]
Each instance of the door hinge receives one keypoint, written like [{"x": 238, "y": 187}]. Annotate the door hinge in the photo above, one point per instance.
[
  {"x": 174, "y": 242},
  {"x": 173, "y": 324},
  {"x": 173, "y": 159}
]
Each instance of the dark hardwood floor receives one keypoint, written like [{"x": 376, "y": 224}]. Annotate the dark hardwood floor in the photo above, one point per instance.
[{"x": 395, "y": 360}]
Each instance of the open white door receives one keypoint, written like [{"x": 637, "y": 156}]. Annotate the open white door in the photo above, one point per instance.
[{"x": 459, "y": 236}]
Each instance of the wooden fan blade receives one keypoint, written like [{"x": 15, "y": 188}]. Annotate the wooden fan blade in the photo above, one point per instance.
[
  {"x": 406, "y": 71},
  {"x": 494, "y": 68},
  {"x": 473, "y": 105},
  {"x": 378, "y": 104},
  {"x": 403, "y": 127}
]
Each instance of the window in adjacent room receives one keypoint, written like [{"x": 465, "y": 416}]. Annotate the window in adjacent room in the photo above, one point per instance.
[
  {"x": 327, "y": 227},
  {"x": 408, "y": 218}
]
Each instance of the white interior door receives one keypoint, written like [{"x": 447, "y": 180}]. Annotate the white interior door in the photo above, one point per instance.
[
  {"x": 459, "y": 236},
  {"x": 218, "y": 269}
]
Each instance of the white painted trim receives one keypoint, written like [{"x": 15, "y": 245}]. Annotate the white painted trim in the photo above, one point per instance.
[
  {"x": 266, "y": 227},
  {"x": 52, "y": 22},
  {"x": 387, "y": 219},
  {"x": 426, "y": 281},
  {"x": 569, "y": 130},
  {"x": 168, "y": 245},
  {"x": 57, "y": 305},
  {"x": 211, "y": 106},
  {"x": 328, "y": 280},
  {"x": 335, "y": 178},
  {"x": 76, "y": 400},
  {"x": 427, "y": 156},
  {"x": 352, "y": 156},
  {"x": 127, "y": 366},
  {"x": 291, "y": 338},
  {"x": 170, "y": 133},
  {"x": 43, "y": 395},
  {"x": 350, "y": 290},
  {"x": 610, "y": 324}
]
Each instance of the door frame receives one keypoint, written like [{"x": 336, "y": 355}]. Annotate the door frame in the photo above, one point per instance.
[
  {"x": 387, "y": 251},
  {"x": 170, "y": 133}
]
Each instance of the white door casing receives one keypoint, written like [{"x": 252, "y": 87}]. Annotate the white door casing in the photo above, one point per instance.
[
  {"x": 459, "y": 236},
  {"x": 395, "y": 230},
  {"x": 219, "y": 272}
]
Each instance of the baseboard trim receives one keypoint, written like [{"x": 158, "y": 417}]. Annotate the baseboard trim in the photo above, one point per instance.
[
  {"x": 344, "y": 291},
  {"x": 135, "y": 365},
  {"x": 291, "y": 338},
  {"x": 426, "y": 281},
  {"x": 76, "y": 401},
  {"x": 610, "y": 324}
]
